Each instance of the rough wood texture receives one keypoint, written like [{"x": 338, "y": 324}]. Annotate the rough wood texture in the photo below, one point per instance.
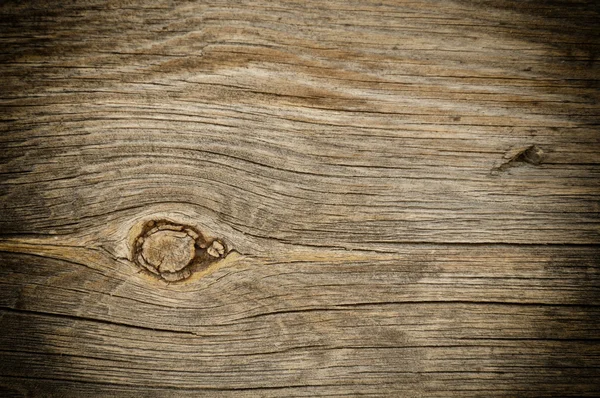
[{"x": 384, "y": 198}]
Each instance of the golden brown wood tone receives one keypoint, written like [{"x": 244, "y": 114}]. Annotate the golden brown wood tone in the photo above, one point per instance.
[{"x": 284, "y": 198}]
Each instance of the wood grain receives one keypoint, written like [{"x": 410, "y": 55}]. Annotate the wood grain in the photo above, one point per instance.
[{"x": 406, "y": 194}]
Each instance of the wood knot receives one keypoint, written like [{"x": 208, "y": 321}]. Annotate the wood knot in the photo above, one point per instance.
[
  {"x": 530, "y": 154},
  {"x": 173, "y": 251}
]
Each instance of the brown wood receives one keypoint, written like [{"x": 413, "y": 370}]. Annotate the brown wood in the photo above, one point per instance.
[{"x": 317, "y": 198}]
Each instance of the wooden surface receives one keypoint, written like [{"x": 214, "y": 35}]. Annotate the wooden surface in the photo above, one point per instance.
[{"x": 392, "y": 198}]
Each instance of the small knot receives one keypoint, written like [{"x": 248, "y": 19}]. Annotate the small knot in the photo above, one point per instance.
[
  {"x": 530, "y": 154},
  {"x": 173, "y": 251}
]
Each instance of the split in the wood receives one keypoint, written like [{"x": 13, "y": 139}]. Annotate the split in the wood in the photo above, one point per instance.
[
  {"x": 173, "y": 251},
  {"x": 531, "y": 154}
]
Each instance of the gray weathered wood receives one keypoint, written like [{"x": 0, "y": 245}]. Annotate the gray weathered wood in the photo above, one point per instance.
[{"x": 392, "y": 198}]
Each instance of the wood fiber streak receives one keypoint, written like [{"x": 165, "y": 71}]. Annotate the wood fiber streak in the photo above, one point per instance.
[{"x": 406, "y": 195}]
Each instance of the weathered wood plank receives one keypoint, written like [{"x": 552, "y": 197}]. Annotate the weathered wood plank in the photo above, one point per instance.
[
  {"x": 473, "y": 319},
  {"x": 269, "y": 120},
  {"x": 406, "y": 194}
]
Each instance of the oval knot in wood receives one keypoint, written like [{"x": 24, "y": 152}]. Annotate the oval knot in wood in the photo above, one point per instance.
[{"x": 173, "y": 251}]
